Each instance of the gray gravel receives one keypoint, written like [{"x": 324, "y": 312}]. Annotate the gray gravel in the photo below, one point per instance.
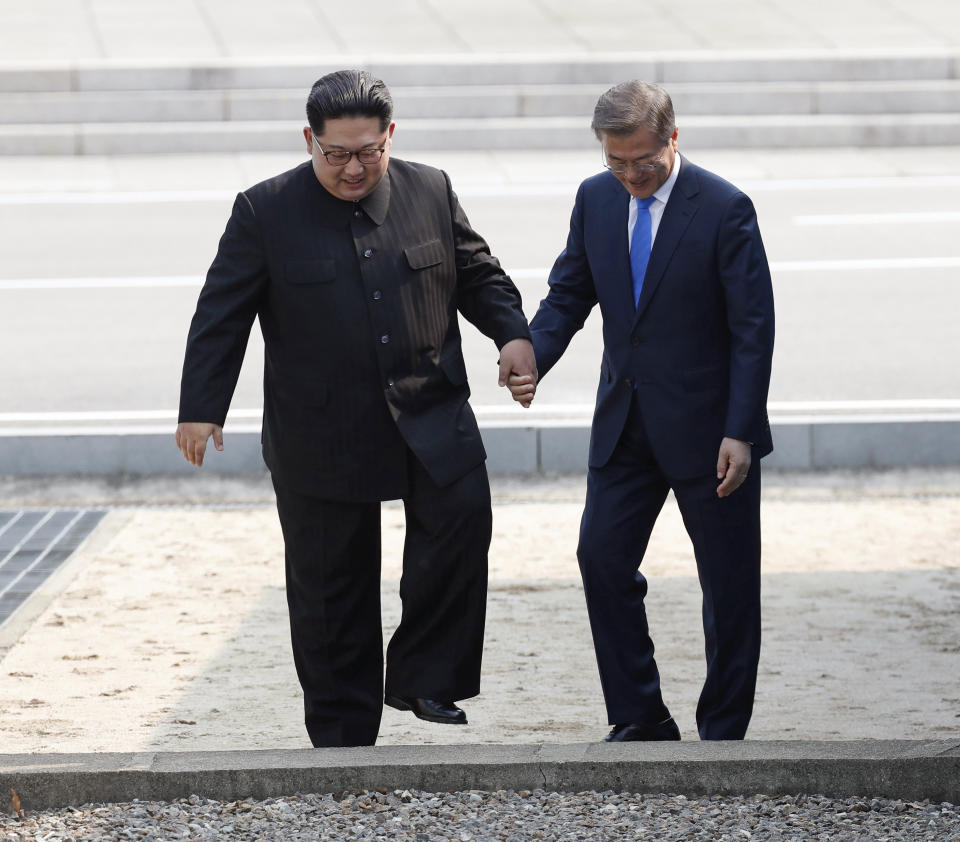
[{"x": 502, "y": 815}]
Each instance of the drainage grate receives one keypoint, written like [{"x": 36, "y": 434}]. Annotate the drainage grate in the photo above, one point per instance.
[{"x": 33, "y": 544}]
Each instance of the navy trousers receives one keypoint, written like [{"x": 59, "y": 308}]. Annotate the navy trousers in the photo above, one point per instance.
[
  {"x": 333, "y": 595},
  {"x": 624, "y": 498}
]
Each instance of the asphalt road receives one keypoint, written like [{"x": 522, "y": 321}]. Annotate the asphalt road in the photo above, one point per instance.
[{"x": 102, "y": 260}]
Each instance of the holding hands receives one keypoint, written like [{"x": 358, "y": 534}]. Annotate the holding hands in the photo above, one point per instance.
[{"x": 518, "y": 370}]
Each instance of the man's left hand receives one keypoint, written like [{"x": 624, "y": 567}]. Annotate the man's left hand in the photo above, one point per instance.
[
  {"x": 517, "y": 357},
  {"x": 733, "y": 465}
]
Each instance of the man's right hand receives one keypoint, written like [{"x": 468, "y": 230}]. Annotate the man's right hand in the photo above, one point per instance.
[{"x": 192, "y": 439}]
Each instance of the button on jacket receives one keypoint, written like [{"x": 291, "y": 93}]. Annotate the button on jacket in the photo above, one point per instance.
[{"x": 358, "y": 305}]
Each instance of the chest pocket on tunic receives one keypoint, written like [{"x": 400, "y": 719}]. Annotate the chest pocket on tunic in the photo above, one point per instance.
[
  {"x": 309, "y": 271},
  {"x": 425, "y": 255}
]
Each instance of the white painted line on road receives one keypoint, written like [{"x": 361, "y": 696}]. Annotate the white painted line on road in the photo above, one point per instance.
[
  {"x": 149, "y": 197},
  {"x": 113, "y": 430},
  {"x": 878, "y": 218},
  {"x": 239, "y": 420},
  {"x": 165, "y": 281},
  {"x": 109, "y": 415},
  {"x": 898, "y": 404},
  {"x": 123, "y": 197},
  {"x": 103, "y": 283},
  {"x": 892, "y": 182},
  {"x": 537, "y": 273},
  {"x": 532, "y": 190},
  {"x": 857, "y": 264},
  {"x": 491, "y": 423}
]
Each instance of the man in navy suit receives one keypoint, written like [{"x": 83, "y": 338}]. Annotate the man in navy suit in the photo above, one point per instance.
[{"x": 673, "y": 255}]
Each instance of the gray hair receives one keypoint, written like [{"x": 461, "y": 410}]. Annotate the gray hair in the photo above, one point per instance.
[{"x": 634, "y": 105}]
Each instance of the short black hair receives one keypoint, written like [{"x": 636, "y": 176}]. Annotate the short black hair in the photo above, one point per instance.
[{"x": 348, "y": 93}]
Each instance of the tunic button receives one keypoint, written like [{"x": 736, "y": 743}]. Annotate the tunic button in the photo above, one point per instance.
[
  {"x": 635, "y": 343},
  {"x": 368, "y": 252},
  {"x": 389, "y": 382},
  {"x": 385, "y": 339},
  {"x": 377, "y": 295},
  {"x": 357, "y": 214}
]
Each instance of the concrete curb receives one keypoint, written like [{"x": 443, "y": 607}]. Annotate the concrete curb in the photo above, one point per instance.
[
  {"x": 803, "y": 443},
  {"x": 903, "y": 769}
]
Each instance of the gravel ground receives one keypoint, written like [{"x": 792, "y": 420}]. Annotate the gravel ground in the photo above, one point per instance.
[{"x": 502, "y": 815}]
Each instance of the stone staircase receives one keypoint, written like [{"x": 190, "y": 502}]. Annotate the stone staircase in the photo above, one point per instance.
[{"x": 722, "y": 101}]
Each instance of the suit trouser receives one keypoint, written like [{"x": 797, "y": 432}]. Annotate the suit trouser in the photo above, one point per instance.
[
  {"x": 624, "y": 498},
  {"x": 333, "y": 594}
]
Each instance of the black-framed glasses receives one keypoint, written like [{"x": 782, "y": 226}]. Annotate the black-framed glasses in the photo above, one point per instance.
[
  {"x": 619, "y": 168},
  {"x": 340, "y": 157}
]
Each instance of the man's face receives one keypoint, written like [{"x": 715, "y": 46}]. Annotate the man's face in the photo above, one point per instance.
[
  {"x": 350, "y": 181},
  {"x": 630, "y": 153}
]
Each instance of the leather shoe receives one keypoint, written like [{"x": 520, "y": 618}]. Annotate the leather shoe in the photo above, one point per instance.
[
  {"x": 632, "y": 732},
  {"x": 446, "y": 713}
]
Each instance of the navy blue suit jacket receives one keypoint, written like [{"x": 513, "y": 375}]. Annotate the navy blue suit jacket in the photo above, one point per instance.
[{"x": 699, "y": 345}]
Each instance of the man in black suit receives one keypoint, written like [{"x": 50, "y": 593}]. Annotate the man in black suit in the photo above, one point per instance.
[
  {"x": 673, "y": 255},
  {"x": 356, "y": 266}
]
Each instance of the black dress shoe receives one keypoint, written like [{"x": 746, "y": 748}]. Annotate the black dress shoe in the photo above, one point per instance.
[
  {"x": 632, "y": 732},
  {"x": 431, "y": 710}
]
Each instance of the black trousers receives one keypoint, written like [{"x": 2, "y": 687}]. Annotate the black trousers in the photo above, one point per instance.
[
  {"x": 624, "y": 498},
  {"x": 332, "y": 554}
]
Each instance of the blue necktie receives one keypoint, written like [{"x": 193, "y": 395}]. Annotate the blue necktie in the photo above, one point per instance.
[{"x": 640, "y": 246}]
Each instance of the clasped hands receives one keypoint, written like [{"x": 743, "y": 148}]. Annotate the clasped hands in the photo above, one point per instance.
[
  {"x": 518, "y": 370},
  {"x": 519, "y": 373},
  {"x": 516, "y": 361}
]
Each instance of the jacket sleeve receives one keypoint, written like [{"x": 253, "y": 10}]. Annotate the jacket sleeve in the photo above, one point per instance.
[
  {"x": 570, "y": 298},
  {"x": 226, "y": 308},
  {"x": 486, "y": 296},
  {"x": 745, "y": 276}
]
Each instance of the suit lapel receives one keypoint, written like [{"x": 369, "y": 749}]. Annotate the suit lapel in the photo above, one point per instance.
[
  {"x": 677, "y": 215},
  {"x": 614, "y": 233}
]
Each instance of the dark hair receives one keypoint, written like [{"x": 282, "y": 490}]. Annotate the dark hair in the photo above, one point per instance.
[
  {"x": 348, "y": 93},
  {"x": 634, "y": 105}
]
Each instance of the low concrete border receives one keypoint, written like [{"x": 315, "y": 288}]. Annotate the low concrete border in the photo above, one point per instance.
[
  {"x": 904, "y": 769},
  {"x": 553, "y": 447}
]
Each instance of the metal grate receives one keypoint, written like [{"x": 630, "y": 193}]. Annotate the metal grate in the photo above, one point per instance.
[{"x": 33, "y": 544}]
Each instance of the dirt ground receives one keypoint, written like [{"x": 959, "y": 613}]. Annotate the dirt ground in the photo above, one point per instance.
[{"x": 168, "y": 629}]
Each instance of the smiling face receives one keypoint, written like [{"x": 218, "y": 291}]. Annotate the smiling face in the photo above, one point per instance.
[
  {"x": 631, "y": 152},
  {"x": 353, "y": 180}
]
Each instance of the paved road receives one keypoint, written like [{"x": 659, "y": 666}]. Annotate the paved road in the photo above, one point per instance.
[
  {"x": 145, "y": 30},
  {"x": 103, "y": 256}
]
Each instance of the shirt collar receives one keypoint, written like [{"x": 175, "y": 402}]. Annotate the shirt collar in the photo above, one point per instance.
[
  {"x": 339, "y": 212},
  {"x": 376, "y": 203},
  {"x": 662, "y": 193}
]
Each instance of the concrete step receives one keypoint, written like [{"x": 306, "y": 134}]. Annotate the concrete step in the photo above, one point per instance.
[
  {"x": 669, "y": 67},
  {"x": 713, "y": 132},
  {"x": 482, "y": 102}
]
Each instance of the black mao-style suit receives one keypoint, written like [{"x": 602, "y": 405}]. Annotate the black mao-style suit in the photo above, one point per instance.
[
  {"x": 685, "y": 367},
  {"x": 365, "y": 399}
]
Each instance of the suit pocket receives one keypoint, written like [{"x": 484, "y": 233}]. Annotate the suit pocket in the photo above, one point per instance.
[
  {"x": 425, "y": 255},
  {"x": 702, "y": 378},
  {"x": 309, "y": 271}
]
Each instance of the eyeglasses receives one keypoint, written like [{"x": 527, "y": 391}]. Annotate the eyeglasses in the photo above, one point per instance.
[
  {"x": 644, "y": 167},
  {"x": 340, "y": 157}
]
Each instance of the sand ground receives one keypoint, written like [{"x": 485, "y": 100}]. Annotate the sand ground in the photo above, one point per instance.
[{"x": 168, "y": 629}]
